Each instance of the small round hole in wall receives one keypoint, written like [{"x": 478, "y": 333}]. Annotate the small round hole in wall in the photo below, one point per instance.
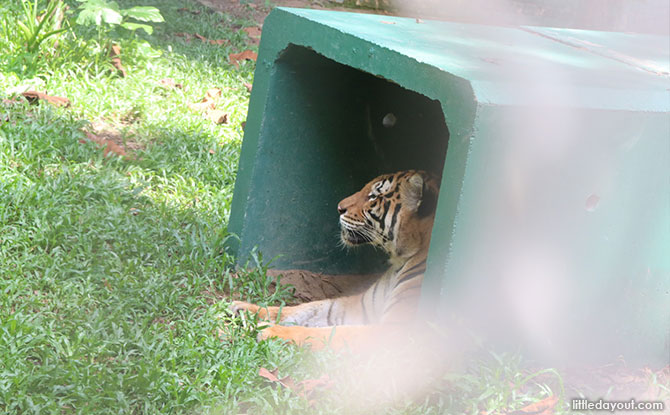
[
  {"x": 389, "y": 120},
  {"x": 592, "y": 203}
]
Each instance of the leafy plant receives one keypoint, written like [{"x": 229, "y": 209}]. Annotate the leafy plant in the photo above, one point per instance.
[
  {"x": 29, "y": 33},
  {"x": 37, "y": 27},
  {"x": 106, "y": 16},
  {"x": 105, "y": 13}
]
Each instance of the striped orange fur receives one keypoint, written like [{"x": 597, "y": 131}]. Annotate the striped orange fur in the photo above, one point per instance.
[{"x": 394, "y": 212}]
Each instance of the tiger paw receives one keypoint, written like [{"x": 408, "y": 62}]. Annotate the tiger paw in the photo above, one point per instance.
[
  {"x": 272, "y": 331},
  {"x": 302, "y": 336},
  {"x": 238, "y": 307}
]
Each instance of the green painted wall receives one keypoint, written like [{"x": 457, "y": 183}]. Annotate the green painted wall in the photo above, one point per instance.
[{"x": 553, "y": 223}]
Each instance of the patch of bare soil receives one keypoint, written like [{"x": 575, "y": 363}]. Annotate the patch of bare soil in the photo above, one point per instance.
[
  {"x": 309, "y": 286},
  {"x": 312, "y": 286},
  {"x": 111, "y": 140},
  {"x": 619, "y": 382},
  {"x": 257, "y": 10}
]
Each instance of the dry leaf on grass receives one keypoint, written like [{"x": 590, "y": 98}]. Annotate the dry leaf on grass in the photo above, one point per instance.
[
  {"x": 115, "y": 54},
  {"x": 303, "y": 388},
  {"x": 187, "y": 36},
  {"x": 234, "y": 58},
  {"x": 254, "y": 34},
  {"x": 271, "y": 375},
  {"x": 106, "y": 143},
  {"x": 202, "y": 106},
  {"x": 207, "y": 103},
  {"x": 193, "y": 12},
  {"x": 253, "y": 31},
  {"x": 218, "y": 116},
  {"x": 544, "y": 407},
  {"x": 34, "y": 97},
  {"x": 170, "y": 83},
  {"x": 248, "y": 86},
  {"x": 310, "y": 385},
  {"x": 208, "y": 106},
  {"x": 213, "y": 93}
]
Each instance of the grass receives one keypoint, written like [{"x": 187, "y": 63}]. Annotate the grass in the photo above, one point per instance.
[{"x": 112, "y": 269}]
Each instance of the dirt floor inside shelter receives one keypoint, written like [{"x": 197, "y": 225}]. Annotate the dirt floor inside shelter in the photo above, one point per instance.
[{"x": 312, "y": 286}]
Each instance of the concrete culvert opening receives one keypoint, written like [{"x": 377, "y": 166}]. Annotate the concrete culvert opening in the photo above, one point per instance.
[
  {"x": 328, "y": 129},
  {"x": 555, "y": 140}
]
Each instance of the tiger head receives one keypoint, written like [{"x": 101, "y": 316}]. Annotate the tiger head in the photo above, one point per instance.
[{"x": 393, "y": 211}]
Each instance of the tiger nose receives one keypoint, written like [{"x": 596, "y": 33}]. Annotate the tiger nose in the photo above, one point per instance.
[{"x": 341, "y": 210}]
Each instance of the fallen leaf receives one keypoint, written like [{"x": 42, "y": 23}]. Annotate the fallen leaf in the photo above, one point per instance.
[
  {"x": 211, "y": 151},
  {"x": 287, "y": 382},
  {"x": 170, "y": 83},
  {"x": 207, "y": 103},
  {"x": 248, "y": 86},
  {"x": 253, "y": 31},
  {"x": 108, "y": 145},
  {"x": 543, "y": 407},
  {"x": 310, "y": 385},
  {"x": 234, "y": 58},
  {"x": 187, "y": 36},
  {"x": 34, "y": 97},
  {"x": 213, "y": 93},
  {"x": 269, "y": 375},
  {"x": 254, "y": 34},
  {"x": 303, "y": 388},
  {"x": 115, "y": 54},
  {"x": 218, "y": 116},
  {"x": 202, "y": 106},
  {"x": 208, "y": 106},
  {"x": 193, "y": 12}
]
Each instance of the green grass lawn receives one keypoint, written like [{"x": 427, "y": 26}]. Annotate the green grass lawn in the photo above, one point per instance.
[{"x": 113, "y": 270}]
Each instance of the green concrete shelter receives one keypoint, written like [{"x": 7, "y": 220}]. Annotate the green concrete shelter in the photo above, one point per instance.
[{"x": 553, "y": 222}]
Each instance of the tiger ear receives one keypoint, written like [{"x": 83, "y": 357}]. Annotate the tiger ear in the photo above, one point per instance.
[{"x": 412, "y": 192}]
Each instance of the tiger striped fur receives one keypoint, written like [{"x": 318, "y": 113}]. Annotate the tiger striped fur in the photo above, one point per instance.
[{"x": 394, "y": 212}]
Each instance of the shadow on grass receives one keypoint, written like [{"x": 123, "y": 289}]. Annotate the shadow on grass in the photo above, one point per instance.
[
  {"x": 97, "y": 255},
  {"x": 104, "y": 261}
]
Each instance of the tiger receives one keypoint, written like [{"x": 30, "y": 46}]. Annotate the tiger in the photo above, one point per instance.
[{"x": 394, "y": 212}]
